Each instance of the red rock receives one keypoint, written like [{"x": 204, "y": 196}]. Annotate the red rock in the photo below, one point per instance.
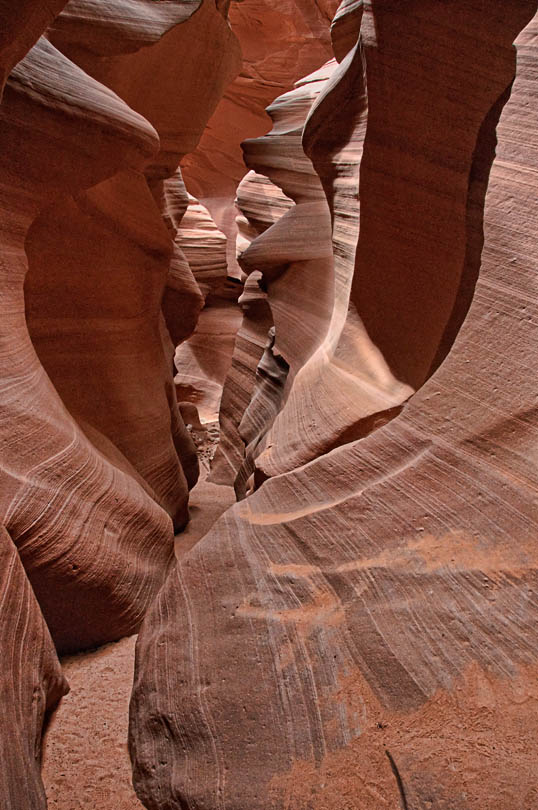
[
  {"x": 261, "y": 204},
  {"x": 118, "y": 234},
  {"x": 361, "y": 631},
  {"x": 22, "y": 25},
  {"x": 92, "y": 439},
  {"x": 308, "y": 273},
  {"x": 95, "y": 435},
  {"x": 60, "y": 496},
  {"x": 182, "y": 300},
  {"x": 280, "y": 42},
  {"x": 30, "y": 686},
  {"x": 202, "y": 362}
]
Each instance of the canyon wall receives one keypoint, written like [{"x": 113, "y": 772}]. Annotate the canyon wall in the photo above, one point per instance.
[
  {"x": 315, "y": 222},
  {"x": 96, "y": 462},
  {"x": 360, "y": 631},
  {"x": 280, "y": 42}
]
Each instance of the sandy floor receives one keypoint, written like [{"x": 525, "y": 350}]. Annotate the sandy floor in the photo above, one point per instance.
[{"x": 86, "y": 764}]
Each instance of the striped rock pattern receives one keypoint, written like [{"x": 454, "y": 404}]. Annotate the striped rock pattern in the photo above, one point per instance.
[
  {"x": 61, "y": 498},
  {"x": 31, "y": 684},
  {"x": 120, "y": 226},
  {"x": 124, "y": 453},
  {"x": 202, "y": 361},
  {"x": 95, "y": 461},
  {"x": 261, "y": 204},
  {"x": 281, "y": 40},
  {"x": 361, "y": 631},
  {"x": 294, "y": 258},
  {"x": 308, "y": 273}
]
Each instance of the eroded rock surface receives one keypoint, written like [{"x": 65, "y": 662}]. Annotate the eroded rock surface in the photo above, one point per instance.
[
  {"x": 95, "y": 461},
  {"x": 202, "y": 361},
  {"x": 97, "y": 444},
  {"x": 31, "y": 684},
  {"x": 361, "y": 631},
  {"x": 280, "y": 42}
]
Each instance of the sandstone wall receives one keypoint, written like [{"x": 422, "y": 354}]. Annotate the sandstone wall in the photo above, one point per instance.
[
  {"x": 360, "y": 631},
  {"x": 353, "y": 294},
  {"x": 96, "y": 462}
]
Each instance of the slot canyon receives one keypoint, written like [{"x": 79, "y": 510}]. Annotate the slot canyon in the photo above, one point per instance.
[{"x": 268, "y": 425}]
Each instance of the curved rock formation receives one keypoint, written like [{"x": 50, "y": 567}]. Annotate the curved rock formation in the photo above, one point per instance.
[
  {"x": 281, "y": 41},
  {"x": 182, "y": 299},
  {"x": 202, "y": 362},
  {"x": 97, "y": 441},
  {"x": 262, "y": 203},
  {"x": 30, "y": 687},
  {"x": 308, "y": 274},
  {"x": 60, "y": 497},
  {"x": 118, "y": 227},
  {"x": 361, "y": 630},
  {"x": 94, "y": 450},
  {"x": 294, "y": 258},
  {"x": 22, "y": 25}
]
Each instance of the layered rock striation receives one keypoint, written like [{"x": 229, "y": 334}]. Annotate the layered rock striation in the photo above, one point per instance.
[
  {"x": 31, "y": 684},
  {"x": 96, "y": 462},
  {"x": 281, "y": 41},
  {"x": 353, "y": 297},
  {"x": 361, "y": 630},
  {"x": 92, "y": 526},
  {"x": 202, "y": 361}
]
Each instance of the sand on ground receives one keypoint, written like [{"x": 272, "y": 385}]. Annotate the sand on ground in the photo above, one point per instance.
[{"x": 85, "y": 762}]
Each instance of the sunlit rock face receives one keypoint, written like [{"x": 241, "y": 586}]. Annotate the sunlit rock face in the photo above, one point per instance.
[{"x": 360, "y": 630}]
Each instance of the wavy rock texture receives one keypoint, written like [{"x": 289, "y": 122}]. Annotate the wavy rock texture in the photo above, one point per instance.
[
  {"x": 94, "y": 450},
  {"x": 280, "y": 42},
  {"x": 262, "y": 204},
  {"x": 30, "y": 687},
  {"x": 60, "y": 497},
  {"x": 202, "y": 362},
  {"x": 93, "y": 544},
  {"x": 119, "y": 226},
  {"x": 182, "y": 300},
  {"x": 361, "y": 632},
  {"x": 96, "y": 441},
  {"x": 308, "y": 273},
  {"x": 294, "y": 258}
]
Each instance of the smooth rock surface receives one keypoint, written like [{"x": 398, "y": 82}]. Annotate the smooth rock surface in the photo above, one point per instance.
[
  {"x": 203, "y": 360},
  {"x": 31, "y": 684},
  {"x": 73, "y": 513},
  {"x": 117, "y": 231},
  {"x": 361, "y": 631},
  {"x": 85, "y": 758},
  {"x": 95, "y": 460}
]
